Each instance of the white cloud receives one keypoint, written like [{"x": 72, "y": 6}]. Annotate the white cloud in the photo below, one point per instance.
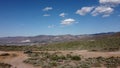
[
  {"x": 84, "y": 10},
  {"x": 68, "y": 21},
  {"x": 104, "y": 10},
  {"x": 115, "y": 2},
  {"x": 47, "y": 8},
  {"x": 46, "y": 15},
  {"x": 51, "y": 26},
  {"x": 62, "y": 14}
]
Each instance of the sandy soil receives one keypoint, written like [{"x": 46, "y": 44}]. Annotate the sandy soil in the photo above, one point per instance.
[{"x": 18, "y": 60}]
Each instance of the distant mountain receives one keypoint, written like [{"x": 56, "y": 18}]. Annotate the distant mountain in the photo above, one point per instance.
[{"x": 42, "y": 39}]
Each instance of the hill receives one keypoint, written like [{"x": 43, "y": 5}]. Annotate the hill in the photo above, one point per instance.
[{"x": 43, "y": 39}]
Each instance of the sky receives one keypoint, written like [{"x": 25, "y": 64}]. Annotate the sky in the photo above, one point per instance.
[{"x": 58, "y": 17}]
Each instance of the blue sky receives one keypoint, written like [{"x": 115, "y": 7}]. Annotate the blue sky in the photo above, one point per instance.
[{"x": 58, "y": 17}]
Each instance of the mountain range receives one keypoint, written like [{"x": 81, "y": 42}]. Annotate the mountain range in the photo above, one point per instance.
[{"x": 42, "y": 39}]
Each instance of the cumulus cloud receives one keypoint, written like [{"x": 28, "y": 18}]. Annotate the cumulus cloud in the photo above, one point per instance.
[
  {"x": 62, "y": 14},
  {"x": 68, "y": 21},
  {"x": 104, "y": 10},
  {"x": 109, "y": 1},
  {"x": 84, "y": 10},
  {"x": 46, "y": 15},
  {"x": 47, "y": 8}
]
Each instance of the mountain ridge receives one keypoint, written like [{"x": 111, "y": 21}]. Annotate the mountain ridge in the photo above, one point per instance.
[{"x": 53, "y": 38}]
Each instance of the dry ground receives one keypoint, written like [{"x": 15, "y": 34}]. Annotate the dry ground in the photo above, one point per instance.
[{"x": 17, "y": 61}]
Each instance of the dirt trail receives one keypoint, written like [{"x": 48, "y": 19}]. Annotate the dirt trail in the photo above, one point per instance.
[{"x": 17, "y": 61}]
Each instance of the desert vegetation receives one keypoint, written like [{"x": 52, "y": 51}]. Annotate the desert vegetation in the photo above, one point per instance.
[
  {"x": 4, "y": 65},
  {"x": 101, "y": 44},
  {"x": 51, "y": 55},
  {"x": 70, "y": 60}
]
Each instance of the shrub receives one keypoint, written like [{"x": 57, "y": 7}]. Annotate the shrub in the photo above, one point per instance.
[
  {"x": 54, "y": 57},
  {"x": 77, "y": 58},
  {"x": 28, "y": 51},
  {"x": 84, "y": 64},
  {"x": 4, "y": 65},
  {"x": 4, "y": 54},
  {"x": 53, "y": 63}
]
